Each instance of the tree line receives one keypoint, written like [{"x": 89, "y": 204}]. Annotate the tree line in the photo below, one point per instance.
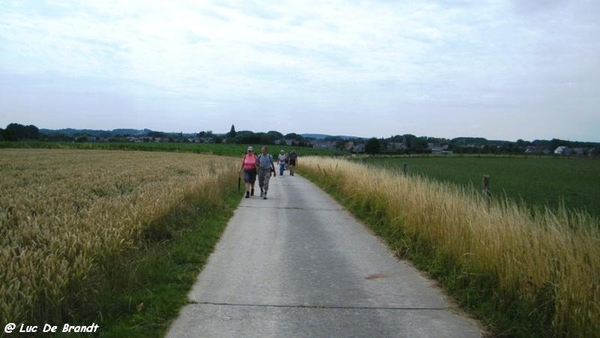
[
  {"x": 398, "y": 144},
  {"x": 16, "y": 132},
  {"x": 411, "y": 144},
  {"x": 268, "y": 138},
  {"x": 19, "y": 132}
]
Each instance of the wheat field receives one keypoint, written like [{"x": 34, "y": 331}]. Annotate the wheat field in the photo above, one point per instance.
[
  {"x": 65, "y": 215},
  {"x": 541, "y": 269}
]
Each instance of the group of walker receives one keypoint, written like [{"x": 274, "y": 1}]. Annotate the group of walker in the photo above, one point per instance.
[{"x": 263, "y": 166}]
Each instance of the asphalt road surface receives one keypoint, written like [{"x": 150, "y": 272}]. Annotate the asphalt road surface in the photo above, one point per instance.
[{"x": 299, "y": 265}]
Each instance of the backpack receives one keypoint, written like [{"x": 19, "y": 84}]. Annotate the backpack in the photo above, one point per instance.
[{"x": 270, "y": 158}]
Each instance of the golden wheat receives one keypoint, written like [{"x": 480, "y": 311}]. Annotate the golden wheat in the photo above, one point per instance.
[
  {"x": 549, "y": 260},
  {"x": 65, "y": 212}
]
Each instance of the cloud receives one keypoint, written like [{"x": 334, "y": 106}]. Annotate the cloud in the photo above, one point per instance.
[
  {"x": 372, "y": 64},
  {"x": 170, "y": 47}
]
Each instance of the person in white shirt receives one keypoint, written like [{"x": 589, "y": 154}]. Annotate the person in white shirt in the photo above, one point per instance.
[{"x": 281, "y": 162}]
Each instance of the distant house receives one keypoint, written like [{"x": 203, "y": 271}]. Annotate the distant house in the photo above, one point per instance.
[
  {"x": 562, "y": 150},
  {"x": 393, "y": 146},
  {"x": 446, "y": 149},
  {"x": 439, "y": 149},
  {"x": 531, "y": 150},
  {"x": 324, "y": 145},
  {"x": 359, "y": 148}
]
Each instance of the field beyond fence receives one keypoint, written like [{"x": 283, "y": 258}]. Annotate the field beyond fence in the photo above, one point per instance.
[
  {"x": 524, "y": 273},
  {"x": 537, "y": 181},
  {"x": 70, "y": 219}
]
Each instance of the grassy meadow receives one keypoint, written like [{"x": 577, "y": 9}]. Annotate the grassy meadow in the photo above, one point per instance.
[
  {"x": 111, "y": 237},
  {"x": 525, "y": 273},
  {"x": 537, "y": 181}
]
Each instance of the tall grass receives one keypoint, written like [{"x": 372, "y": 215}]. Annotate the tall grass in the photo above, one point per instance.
[
  {"x": 528, "y": 274},
  {"x": 68, "y": 217},
  {"x": 538, "y": 181}
]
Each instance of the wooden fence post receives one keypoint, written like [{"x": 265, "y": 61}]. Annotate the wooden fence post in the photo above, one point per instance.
[
  {"x": 487, "y": 194},
  {"x": 405, "y": 169}
]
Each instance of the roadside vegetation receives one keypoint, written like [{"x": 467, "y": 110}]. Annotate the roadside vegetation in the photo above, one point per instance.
[
  {"x": 524, "y": 273},
  {"x": 536, "y": 181},
  {"x": 118, "y": 237},
  {"x": 113, "y": 238}
]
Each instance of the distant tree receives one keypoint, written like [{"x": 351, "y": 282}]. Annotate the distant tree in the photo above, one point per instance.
[
  {"x": 333, "y": 138},
  {"x": 521, "y": 143},
  {"x": 265, "y": 138},
  {"x": 156, "y": 134},
  {"x": 247, "y": 137},
  {"x": 275, "y": 135},
  {"x": 396, "y": 139},
  {"x": 384, "y": 144},
  {"x": 419, "y": 144},
  {"x": 1, "y": 134},
  {"x": 373, "y": 146},
  {"x": 232, "y": 134},
  {"x": 208, "y": 134},
  {"x": 20, "y": 132},
  {"x": 555, "y": 143},
  {"x": 60, "y": 137},
  {"x": 294, "y": 136}
]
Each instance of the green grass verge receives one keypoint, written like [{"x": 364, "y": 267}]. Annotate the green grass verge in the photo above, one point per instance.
[{"x": 143, "y": 294}]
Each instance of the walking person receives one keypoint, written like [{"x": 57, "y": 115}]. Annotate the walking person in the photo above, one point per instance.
[
  {"x": 249, "y": 164},
  {"x": 293, "y": 160},
  {"x": 265, "y": 167},
  {"x": 281, "y": 162},
  {"x": 287, "y": 161}
]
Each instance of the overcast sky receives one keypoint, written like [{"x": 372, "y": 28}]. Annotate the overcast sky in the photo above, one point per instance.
[{"x": 522, "y": 69}]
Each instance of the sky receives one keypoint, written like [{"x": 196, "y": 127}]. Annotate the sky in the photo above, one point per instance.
[{"x": 503, "y": 70}]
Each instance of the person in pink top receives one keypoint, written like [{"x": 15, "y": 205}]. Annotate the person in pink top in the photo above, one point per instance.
[{"x": 249, "y": 163}]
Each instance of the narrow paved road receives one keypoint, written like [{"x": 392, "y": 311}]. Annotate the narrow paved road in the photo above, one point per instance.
[{"x": 298, "y": 265}]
